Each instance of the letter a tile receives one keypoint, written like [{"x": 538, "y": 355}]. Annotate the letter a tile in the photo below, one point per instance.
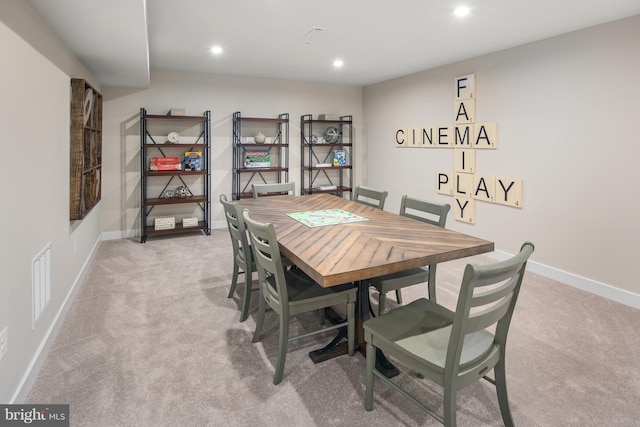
[
  {"x": 465, "y": 111},
  {"x": 484, "y": 188},
  {"x": 486, "y": 136}
]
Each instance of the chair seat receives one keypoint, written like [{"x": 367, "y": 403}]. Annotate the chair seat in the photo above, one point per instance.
[
  {"x": 401, "y": 279},
  {"x": 305, "y": 293},
  {"x": 422, "y": 329}
]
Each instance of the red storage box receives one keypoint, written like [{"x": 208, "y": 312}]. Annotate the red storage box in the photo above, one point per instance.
[{"x": 165, "y": 164}]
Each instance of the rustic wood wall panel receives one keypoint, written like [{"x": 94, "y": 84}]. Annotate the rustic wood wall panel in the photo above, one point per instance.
[{"x": 86, "y": 149}]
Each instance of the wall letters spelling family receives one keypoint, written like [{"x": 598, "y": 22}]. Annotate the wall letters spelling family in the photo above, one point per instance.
[{"x": 465, "y": 136}]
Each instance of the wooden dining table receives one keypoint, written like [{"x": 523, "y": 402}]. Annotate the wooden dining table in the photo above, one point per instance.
[{"x": 376, "y": 243}]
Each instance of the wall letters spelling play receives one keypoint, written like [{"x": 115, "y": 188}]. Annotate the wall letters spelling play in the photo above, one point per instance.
[{"x": 464, "y": 136}]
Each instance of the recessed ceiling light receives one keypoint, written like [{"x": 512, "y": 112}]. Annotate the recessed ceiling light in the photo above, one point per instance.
[
  {"x": 216, "y": 50},
  {"x": 338, "y": 63},
  {"x": 461, "y": 11}
]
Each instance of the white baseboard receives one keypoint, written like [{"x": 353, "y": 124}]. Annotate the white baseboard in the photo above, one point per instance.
[
  {"x": 115, "y": 235},
  {"x": 43, "y": 349},
  {"x": 589, "y": 285},
  {"x": 218, "y": 224}
]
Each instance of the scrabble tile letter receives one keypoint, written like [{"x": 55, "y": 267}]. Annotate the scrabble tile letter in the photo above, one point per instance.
[
  {"x": 427, "y": 137},
  {"x": 486, "y": 135},
  {"x": 465, "y": 86},
  {"x": 465, "y": 111},
  {"x": 401, "y": 137},
  {"x": 465, "y": 160},
  {"x": 464, "y": 209},
  {"x": 445, "y": 183},
  {"x": 509, "y": 191},
  {"x": 484, "y": 188},
  {"x": 413, "y": 140},
  {"x": 464, "y": 184},
  {"x": 463, "y": 135},
  {"x": 444, "y": 135}
]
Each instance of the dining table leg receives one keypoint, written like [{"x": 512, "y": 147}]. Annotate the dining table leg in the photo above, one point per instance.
[{"x": 338, "y": 347}]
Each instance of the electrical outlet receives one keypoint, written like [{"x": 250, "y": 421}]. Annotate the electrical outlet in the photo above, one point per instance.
[
  {"x": 4, "y": 343},
  {"x": 75, "y": 246}
]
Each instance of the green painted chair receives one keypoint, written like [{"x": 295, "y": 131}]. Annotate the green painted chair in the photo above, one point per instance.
[
  {"x": 453, "y": 349},
  {"x": 421, "y": 210},
  {"x": 289, "y": 294},
  {"x": 242, "y": 256},
  {"x": 280, "y": 188},
  {"x": 370, "y": 197}
]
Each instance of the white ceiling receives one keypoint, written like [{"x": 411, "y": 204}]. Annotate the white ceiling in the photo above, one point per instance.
[{"x": 119, "y": 40}]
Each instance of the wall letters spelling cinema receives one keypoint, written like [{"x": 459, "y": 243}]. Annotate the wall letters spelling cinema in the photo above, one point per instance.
[{"x": 465, "y": 136}]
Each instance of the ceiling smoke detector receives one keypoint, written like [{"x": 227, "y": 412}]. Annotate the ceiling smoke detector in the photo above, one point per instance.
[
  {"x": 311, "y": 32},
  {"x": 314, "y": 30}
]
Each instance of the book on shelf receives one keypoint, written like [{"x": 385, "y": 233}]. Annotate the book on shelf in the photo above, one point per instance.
[
  {"x": 325, "y": 187},
  {"x": 339, "y": 157},
  {"x": 193, "y": 160},
  {"x": 257, "y": 159},
  {"x": 323, "y": 165}
]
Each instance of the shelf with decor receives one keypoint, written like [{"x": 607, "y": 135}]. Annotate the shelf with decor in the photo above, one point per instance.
[
  {"x": 175, "y": 174},
  {"x": 326, "y": 158},
  {"x": 85, "y": 149},
  {"x": 260, "y": 152}
]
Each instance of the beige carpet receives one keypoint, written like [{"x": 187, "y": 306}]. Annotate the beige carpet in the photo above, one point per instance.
[{"x": 152, "y": 340}]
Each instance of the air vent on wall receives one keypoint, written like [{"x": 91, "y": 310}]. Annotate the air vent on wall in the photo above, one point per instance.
[{"x": 41, "y": 281}]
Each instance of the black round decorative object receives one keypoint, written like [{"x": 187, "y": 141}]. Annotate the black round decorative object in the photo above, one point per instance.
[
  {"x": 331, "y": 135},
  {"x": 181, "y": 192}
]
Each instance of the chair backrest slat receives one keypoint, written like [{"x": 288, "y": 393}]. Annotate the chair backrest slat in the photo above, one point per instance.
[
  {"x": 280, "y": 188},
  {"x": 370, "y": 197},
  {"x": 425, "y": 211},
  {"x": 488, "y": 316}
]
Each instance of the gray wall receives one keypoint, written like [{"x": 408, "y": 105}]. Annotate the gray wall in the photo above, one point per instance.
[
  {"x": 567, "y": 114},
  {"x": 34, "y": 118}
]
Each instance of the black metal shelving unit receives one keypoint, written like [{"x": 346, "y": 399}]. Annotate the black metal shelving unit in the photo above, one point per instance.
[
  {"x": 318, "y": 174},
  {"x": 276, "y": 131},
  {"x": 197, "y": 183}
]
